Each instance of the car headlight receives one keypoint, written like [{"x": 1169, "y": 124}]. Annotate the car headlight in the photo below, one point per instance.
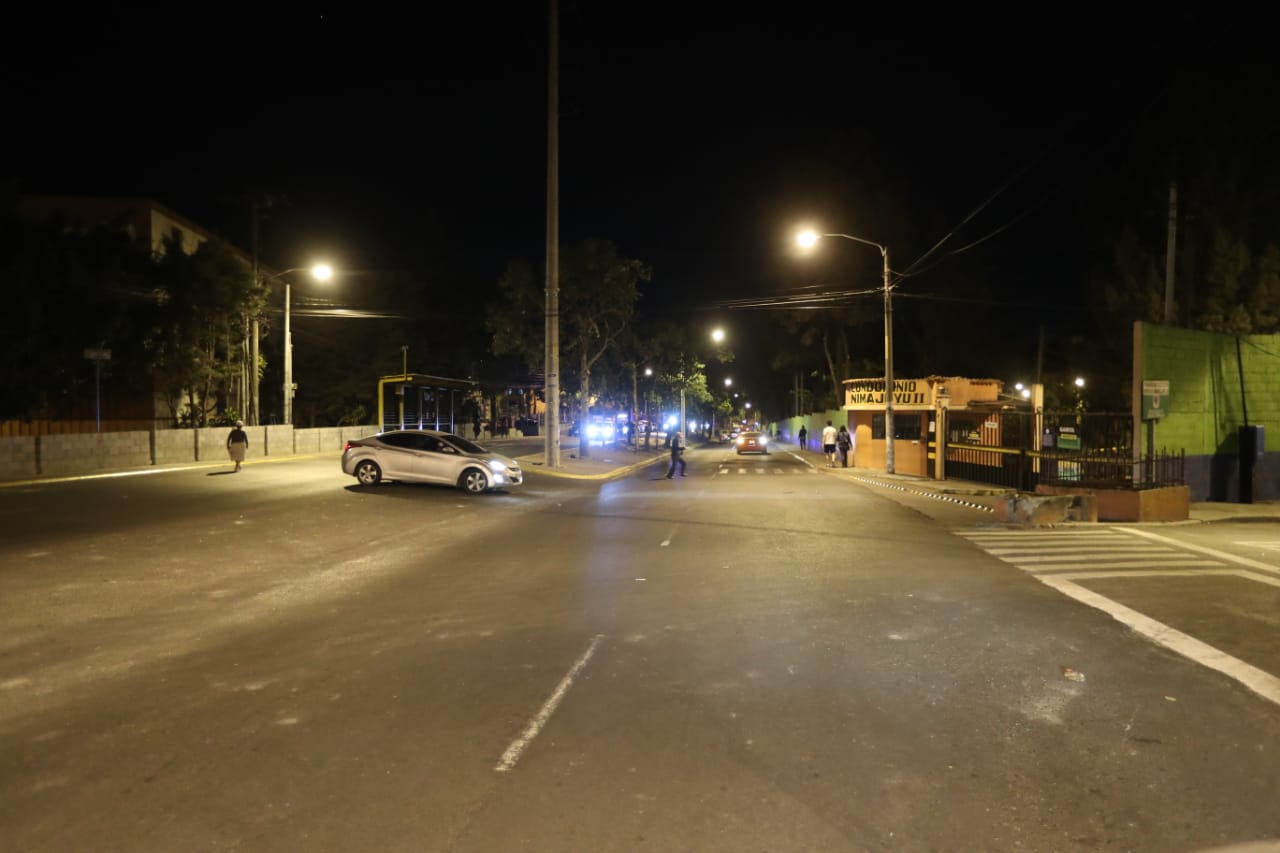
[
  {"x": 497, "y": 465},
  {"x": 764, "y": 440},
  {"x": 592, "y": 431},
  {"x": 739, "y": 439}
]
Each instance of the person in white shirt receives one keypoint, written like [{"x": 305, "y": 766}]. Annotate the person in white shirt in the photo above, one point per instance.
[{"x": 829, "y": 444}]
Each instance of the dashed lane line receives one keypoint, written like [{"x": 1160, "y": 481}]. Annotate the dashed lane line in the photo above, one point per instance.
[{"x": 512, "y": 755}]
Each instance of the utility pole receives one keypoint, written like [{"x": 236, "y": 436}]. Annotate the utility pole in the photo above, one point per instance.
[
  {"x": 552, "y": 362},
  {"x": 888, "y": 365},
  {"x": 1170, "y": 253},
  {"x": 253, "y": 350}
]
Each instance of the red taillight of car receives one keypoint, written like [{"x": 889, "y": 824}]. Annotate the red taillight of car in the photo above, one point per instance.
[{"x": 347, "y": 446}]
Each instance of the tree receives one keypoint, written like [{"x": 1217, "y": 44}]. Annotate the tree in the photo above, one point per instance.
[
  {"x": 598, "y": 294},
  {"x": 195, "y": 344}
]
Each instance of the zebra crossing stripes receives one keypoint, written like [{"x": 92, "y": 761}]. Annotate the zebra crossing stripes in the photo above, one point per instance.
[
  {"x": 780, "y": 472},
  {"x": 1093, "y": 551}
]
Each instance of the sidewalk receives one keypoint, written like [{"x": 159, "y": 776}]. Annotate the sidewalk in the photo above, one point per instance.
[
  {"x": 1201, "y": 513},
  {"x": 603, "y": 463}
]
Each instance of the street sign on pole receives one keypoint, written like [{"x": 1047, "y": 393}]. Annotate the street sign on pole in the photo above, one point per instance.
[
  {"x": 1155, "y": 399},
  {"x": 97, "y": 356}
]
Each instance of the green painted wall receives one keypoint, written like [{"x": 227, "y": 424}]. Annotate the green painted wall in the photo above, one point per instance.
[{"x": 1207, "y": 404}]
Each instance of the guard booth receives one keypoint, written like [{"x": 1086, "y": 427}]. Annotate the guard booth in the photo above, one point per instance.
[
  {"x": 419, "y": 401},
  {"x": 922, "y": 411}
]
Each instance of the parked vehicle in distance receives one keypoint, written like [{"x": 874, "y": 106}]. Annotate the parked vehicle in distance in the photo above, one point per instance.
[
  {"x": 752, "y": 442},
  {"x": 428, "y": 456}
]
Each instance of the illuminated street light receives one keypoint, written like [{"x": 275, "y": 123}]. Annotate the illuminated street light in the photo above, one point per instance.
[
  {"x": 717, "y": 335},
  {"x": 806, "y": 240},
  {"x": 320, "y": 272},
  {"x": 727, "y": 382},
  {"x": 1079, "y": 381}
]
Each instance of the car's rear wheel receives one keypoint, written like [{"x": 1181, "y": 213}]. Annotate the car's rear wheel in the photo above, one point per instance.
[
  {"x": 474, "y": 480},
  {"x": 368, "y": 473}
]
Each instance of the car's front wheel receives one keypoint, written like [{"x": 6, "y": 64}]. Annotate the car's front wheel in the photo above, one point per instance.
[
  {"x": 473, "y": 480},
  {"x": 368, "y": 473}
]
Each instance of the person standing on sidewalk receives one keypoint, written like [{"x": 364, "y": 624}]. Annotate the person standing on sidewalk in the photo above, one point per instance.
[
  {"x": 677, "y": 455},
  {"x": 844, "y": 442},
  {"x": 237, "y": 444},
  {"x": 829, "y": 444},
  {"x": 803, "y": 435}
]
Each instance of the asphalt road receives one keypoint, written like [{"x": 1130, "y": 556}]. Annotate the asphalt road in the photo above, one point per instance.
[{"x": 756, "y": 657}]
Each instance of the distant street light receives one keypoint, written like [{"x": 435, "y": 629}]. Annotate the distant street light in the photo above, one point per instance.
[
  {"x": 806, "y": 240},
  {"x": 717, "y": 335}
]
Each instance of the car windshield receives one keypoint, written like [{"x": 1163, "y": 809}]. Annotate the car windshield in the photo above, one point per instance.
[{"x": 463, "y": 444}]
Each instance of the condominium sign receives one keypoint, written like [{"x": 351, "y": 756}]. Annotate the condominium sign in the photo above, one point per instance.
[{"x": 906, "y": 392}]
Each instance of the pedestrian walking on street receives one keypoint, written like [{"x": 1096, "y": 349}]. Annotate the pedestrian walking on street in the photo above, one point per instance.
[
  {"x": 829, "y": 444},
  {"x": 677, "y": 455},
  {"x": 237, "y": 444},
  {"x": 844, "y": 443},
  {"x": 804, "y": 434}
]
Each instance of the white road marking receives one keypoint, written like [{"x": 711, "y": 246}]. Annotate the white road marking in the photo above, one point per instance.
[
  {"x": 1260, "y": 682},
  {"x": 512, "y": 755},
  {"x": 1115, "y": 568},
  {"x": 1119, "y": 559},
  {"x": 1077, "y": 549},
  {"x": 1212, "y": 552},
  {"x": 1264, "y": 545}
]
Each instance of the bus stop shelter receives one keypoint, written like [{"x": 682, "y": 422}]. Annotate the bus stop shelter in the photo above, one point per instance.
[{"x": 419, "y": 401}]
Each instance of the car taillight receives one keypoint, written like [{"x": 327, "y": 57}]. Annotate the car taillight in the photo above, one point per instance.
[{"x": 347, "y": 446}]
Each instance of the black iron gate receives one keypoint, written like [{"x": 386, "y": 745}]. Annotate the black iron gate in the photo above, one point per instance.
[{"x": 1073, "y": 448}]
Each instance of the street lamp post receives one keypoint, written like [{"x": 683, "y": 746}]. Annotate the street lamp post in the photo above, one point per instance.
[
  {"x": 806, "y": 239},
  {"x": 320, "y": 272}
]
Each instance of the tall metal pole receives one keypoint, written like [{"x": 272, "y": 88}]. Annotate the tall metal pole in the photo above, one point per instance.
[
  {"x": 253, "y": 354},
  {"x": 888, "y": 365},
  {"x": 1171, "y": 252},
  {"x": 683, "y": 427},
  {"x": 288, "y": 361},
  {"x": 552, "y": 367}
]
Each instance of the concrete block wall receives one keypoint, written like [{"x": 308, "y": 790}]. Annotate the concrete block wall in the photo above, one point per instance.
[
  {"x": 17, "y": 457},
  {"x": 278, "y": 441},
  {"x": 350, "y": 433},
  {"x": 95, "y": 451},
  {"x": 307, "y": 440},
  {"x": 24, "y": 457},
  {"x": 173, "y": 446}
]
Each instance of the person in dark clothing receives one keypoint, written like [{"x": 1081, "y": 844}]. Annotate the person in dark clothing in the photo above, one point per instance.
[
  {"x": 804, "y": 434},
  {"x": 677, "y": 455},
  {"x": 844, "y": 442},
  {"x": 237, "y": 444}
]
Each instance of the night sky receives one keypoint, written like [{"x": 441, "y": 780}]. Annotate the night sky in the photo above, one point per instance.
[{"x": 695, "y": 136}]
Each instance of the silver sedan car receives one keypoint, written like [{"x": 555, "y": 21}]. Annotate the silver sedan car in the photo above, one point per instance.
[{"x": 427, "y": 456}]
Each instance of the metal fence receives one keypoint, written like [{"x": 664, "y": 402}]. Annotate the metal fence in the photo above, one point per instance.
[{"x": 1092, "y": 449}]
